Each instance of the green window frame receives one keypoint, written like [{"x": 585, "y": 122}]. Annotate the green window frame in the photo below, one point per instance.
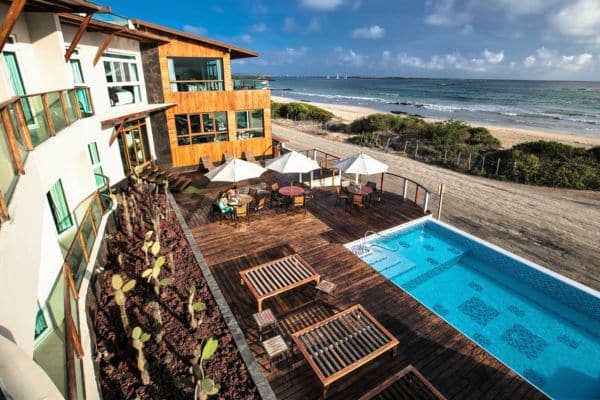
[
  {"x": 40, "y": 321},
  {"x": 60, "y": 208},
  {"x": 94, "y": 155},
  {"x": 95, "y": 160}
]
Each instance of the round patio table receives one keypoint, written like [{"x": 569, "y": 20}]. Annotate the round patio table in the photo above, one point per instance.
[
  {"x": 363, "y": 190},
  {"x": 291, "y": 191},
  {"x": 242, "y": 200}
]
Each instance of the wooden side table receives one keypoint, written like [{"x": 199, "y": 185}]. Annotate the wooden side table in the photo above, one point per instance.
[
  {"x": 264, "y": 320},
  {"x": 275, "y": 347}
]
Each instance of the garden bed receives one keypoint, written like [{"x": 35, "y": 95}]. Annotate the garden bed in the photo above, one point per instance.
[{"x": 169, "y": 362}]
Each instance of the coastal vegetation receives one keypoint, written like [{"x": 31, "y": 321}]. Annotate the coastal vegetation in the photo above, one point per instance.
[
  {"x": 300, "y": 112},
  {"x": 462, "y": 147}
]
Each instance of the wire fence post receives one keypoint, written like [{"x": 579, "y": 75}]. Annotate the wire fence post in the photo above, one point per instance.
[
  {"x": 498, "y": 166},
  {"x": 445, "y": 156},
  {"x": 483, "y": 164},
  {"x": 458, "y": 159},
  {"x": 405, "y": 145},
  {"x": 469, "y": 168},
  {"x": 417, "y": 149}
]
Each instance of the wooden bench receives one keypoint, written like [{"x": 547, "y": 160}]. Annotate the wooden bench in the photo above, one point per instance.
[
  {"x": 407, "y": 384},
  {"x": 278, "y": 276},
  {"x": 343, "y": 343}
]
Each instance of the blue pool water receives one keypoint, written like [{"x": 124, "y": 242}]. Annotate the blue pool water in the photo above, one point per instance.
[{"x": 544, "y": 327}]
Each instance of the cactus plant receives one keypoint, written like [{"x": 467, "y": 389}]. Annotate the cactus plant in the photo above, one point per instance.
[
  {"x": 120, "y": 288},
  {"x": 153, "y": 308},
  {"x": 171, "y": 263},
  {"x": 138, "y": 338},
  {"x": 205, "y": 387},
  {"x": 153, "y": 275},
  {"x": 194, "y": 306},
  {"x": 147, "y": 245},
  {"x": 126, "y": 215}
]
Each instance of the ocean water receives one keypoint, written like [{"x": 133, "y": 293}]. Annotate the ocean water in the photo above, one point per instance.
[
  {"x": 556, "y": 106},
  {"x": 545, "y": 329}
]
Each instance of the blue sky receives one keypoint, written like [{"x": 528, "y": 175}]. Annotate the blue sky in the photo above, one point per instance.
[{"x": 525, "y": 39}]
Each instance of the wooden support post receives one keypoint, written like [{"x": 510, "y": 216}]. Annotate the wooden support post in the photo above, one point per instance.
[
  {"x": 417, "y": 149},
  {"x": 71, "y": 380},
  {"x": 405, "y": 189},
  {"x": 104, "y": 46},
  {"x": 48, "y": 115},
  {"x": 417, "y": 194},
  {"x": 63, "y": 104},
  {"x": 483, "y": 164},
  {"x": 72, "y": 285},
  {"x": 426, "y": 202},
  {"x": 24, "y": 127},
  {"x": 458, "y": 159},
  {"x": 381, "y": 187},
  {"x": 75, "y": 101},
  {"x": 498, "y": 166},
  {"x": 12, "y": 143},
  {"x": 441, "y": 191},
  {"x": 405, "y": 145},
  {"x": 445, "y": 156},
  {"x": 469, "y": 168},
  {"x": 3, "y": 208},
  {"x": 77, "y": 37},
  {"x": 12, "y": 15}
]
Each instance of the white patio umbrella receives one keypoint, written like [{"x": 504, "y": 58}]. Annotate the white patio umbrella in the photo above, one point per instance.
[
  {"x": 292, "y": 163},
  {"x": 235, "y": 170},
  {"x": 361, "y": 164}
]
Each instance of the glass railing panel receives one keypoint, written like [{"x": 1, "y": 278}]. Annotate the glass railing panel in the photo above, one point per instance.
[
  {"x": 87, "y": 230},
  {"x": 96, "y": 212},
  {"x": 33, "y": 108},
  {"x": 250, "y": 84},
  {"x": 8, "y": 174},
  {"x": 56, "y": 111},
  {"x": 76, "y": 261},
  {"x": 18, "y": 131},
  {"x": 85, "y": 102},
  {"x": 70, "y": 104}
]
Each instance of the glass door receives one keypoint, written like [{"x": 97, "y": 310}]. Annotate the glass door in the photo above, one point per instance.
[{"x": 133, "y": 144}]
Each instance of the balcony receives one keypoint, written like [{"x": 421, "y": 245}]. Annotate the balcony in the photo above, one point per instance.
[
  {"x": 28, "y": 121},
  {"x": 250, "y": 84}
]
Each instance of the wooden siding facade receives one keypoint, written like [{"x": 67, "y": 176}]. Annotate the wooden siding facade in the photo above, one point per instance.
[{"x": 227, "y": 100}]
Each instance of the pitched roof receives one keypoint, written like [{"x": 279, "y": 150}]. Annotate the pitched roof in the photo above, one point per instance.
[
  {"x": 108, "y": 28},
  {"x": 64, "y": 6},
  {"x": 236, "y": 52}
]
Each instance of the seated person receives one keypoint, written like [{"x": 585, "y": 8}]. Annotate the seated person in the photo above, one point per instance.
[
  {"x": 222, "y": 203},
  {"x": 232, "y": 192}
]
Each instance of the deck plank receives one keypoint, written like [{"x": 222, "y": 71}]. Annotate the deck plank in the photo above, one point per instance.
[{"x": 452, "y": 363}]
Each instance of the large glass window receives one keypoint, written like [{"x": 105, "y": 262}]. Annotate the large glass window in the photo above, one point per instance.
[
  {"x": 60, "y": 208},
  {"x": 95, "y": 161},
  {"x": 14, "y": 73},
  {"x": 76, "y": 71},
  {"x": 201, "y": 128},
  {"x": 250, "y": 124},
  {"x": 122, "y": 78},
  {"x": 40, "y": 321},
  {"x": 195, "y": 74}
]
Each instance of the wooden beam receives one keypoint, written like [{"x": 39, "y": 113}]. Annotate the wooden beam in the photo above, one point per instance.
[
  {"x": 71, "y": 388},
  {"x": 116, "y": 133},
  {"x": 104, "y": 46},
  {"x": 63, "y": 104},
  {"x": 3, "y": 208},
  {"x": 15, "y": 9},
  {"x": 24, "y": 127},
  {"x": 78, "y": 36},
  {"x": 48, "y": 114},
  {"x": 12, "y": 143}
]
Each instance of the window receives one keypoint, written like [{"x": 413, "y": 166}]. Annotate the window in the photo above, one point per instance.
[
  {"x": 95, "y": 160},
  {"x": 59, "y": 207},
  {"x": 195, "y": 74},
  {"x": 250, "y": 124},
  {"x": 201, "y": 128},
  {"x": 76, "y": 71},
  {"x": 121, "y": 72},
  {"x": 40, "y": 321},
  {"x": 14, "y": 73}
]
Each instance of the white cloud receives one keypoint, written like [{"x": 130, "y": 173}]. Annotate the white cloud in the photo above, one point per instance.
[
  {"x": 314, "y": 25},
  {"x": 322, "y": 5},
  {"x": 293, "y": 52},
  {"x": 444, "y": 14},
  {"x": 548, "y": 59},
  {"x": 580, "y": 20},
  {"x": 259, "y": 27},
  {"x": 467, "y": 29},
  {"x": 370, "y": 32},
  {"x": 289, "y": 24},
  {"x": 196, "y": 30},
  {"x": 349, "y": 56},
  {"x": 246, "y": 38},
  {"x": 493, "y": 58},
  {"x": 517, "y": 8}
]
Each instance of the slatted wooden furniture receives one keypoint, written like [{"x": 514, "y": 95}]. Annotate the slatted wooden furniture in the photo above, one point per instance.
[
  {"x": 407, "y": 384},
  {"x": 343, "y": 343},
  {"x": 207, "y": 163},
  {"x": 278, "y": 276},
  {"x": 250, "y": 157},
  {"x": 274, "y": 347},
  {"x": 325, "y": 288},
  {"x": 264, "y": 319}
]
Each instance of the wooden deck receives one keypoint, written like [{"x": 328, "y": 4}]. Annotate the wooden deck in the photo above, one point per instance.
[{"x": 453, "y": 364}]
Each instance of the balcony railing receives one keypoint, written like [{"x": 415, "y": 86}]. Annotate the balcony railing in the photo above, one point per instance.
[
  {"x": 64, "y": 340},
  {"x": 250, "y": 84},
  {"x": 28, "y": 121}
]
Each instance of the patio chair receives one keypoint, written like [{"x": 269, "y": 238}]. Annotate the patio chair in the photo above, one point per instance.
[
  {"x": 218, "y": 213},
  {"x": 299, "y": 202},
  {"x": 228, "y": 156},
  {"x": 341, "y": 196},
  {"x": 250, "y": 157},
  {"x": 241, "y": 212},
  {"x": 260, "y": 206},
  {"x": 358, "y": 201},
  {"x": 207, "y": 163},
  {"x": 375, "y": 194}
]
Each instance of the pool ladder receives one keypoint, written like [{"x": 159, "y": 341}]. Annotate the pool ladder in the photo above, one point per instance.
[{"x": 364, "y": 247}]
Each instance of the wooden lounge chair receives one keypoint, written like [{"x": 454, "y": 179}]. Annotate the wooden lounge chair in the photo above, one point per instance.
[
  {"x": 250, "y": 157},
  {"x": 228, "y": 156},
  {"x": 207, "y": 163},
  {"x": 407, "y": 384}
]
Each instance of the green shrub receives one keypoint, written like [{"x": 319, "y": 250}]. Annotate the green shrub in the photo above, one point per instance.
[
  {"x": 479, "y": 136},
  {"x": 300, "y": 112},
  {"x": 446, "y": 133}
]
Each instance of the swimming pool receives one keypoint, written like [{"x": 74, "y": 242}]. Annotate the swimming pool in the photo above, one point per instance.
[{"x": 540, "y": 324}]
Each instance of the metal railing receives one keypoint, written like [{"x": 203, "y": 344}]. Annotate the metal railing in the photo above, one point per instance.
[
  {"x": 411, "y": 190},
  {"x": 250, "y": 84},
  {"x": 28, "y": 121}
]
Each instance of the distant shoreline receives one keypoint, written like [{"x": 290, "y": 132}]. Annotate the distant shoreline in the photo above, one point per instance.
[{"x": 508, "y": 136}]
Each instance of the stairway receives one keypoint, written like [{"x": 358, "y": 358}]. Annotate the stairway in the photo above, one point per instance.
[{"x": 157, "y": 175}]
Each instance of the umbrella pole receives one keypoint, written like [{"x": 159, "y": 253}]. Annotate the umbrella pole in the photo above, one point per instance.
[
  {"x": 300, "y": 177},
  {"x": 356, "y": 179}
]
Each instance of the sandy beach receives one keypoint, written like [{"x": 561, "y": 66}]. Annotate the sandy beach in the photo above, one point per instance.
[{"x": 508, "y": 136}]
